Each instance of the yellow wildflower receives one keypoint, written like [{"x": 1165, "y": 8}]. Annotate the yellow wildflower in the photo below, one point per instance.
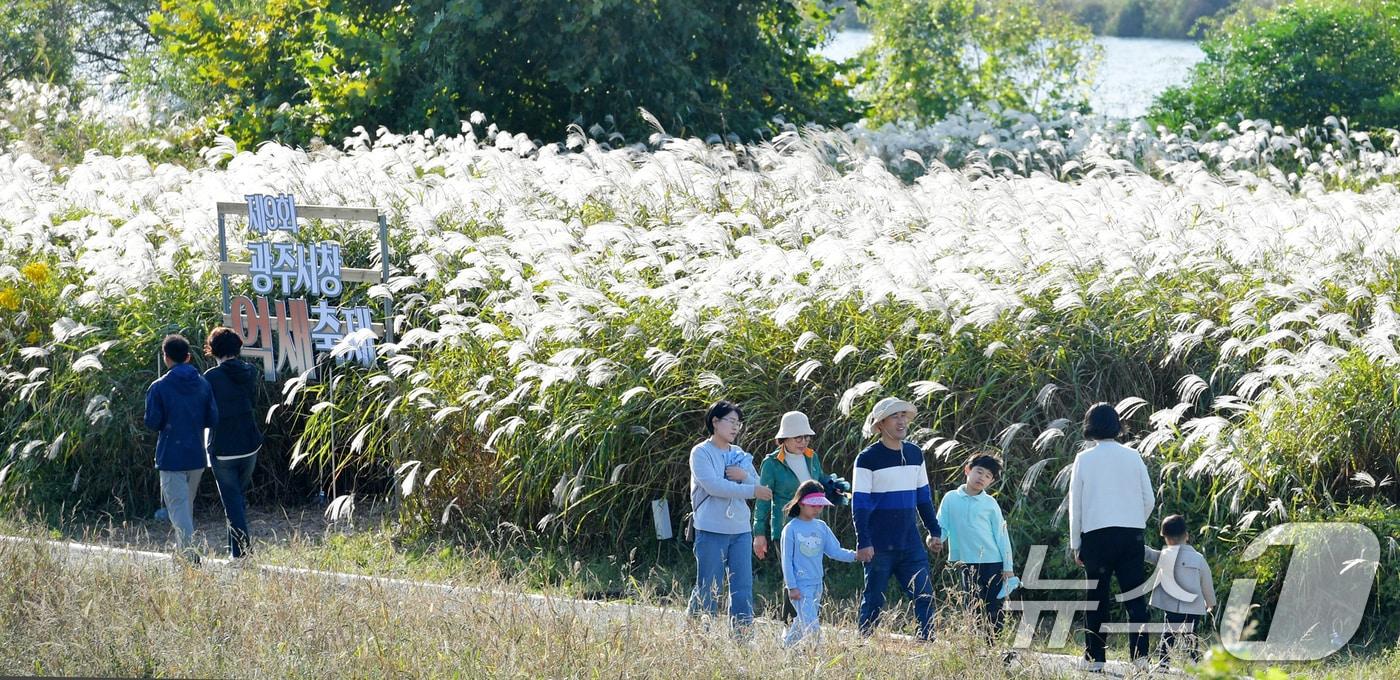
[
  {"x": 33, "y": 338},
  {"x": 38, "y": 272},
  {"x": 9, "y": 299}
]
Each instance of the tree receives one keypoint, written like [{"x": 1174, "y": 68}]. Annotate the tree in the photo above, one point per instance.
[
  {"x": 1131, "y": 20},
  {"x": 36, "y": 40},
  {"x": 54, "y": 40},
  {"x": 929, "y": 57},
  {"x": 287, "y": 69},
  {"x": 1296, "y": 65},
  {"x": 113, "y": 35}
]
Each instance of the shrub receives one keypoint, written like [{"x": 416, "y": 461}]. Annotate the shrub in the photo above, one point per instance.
[
  {"x": 293, "y": 69},
  {"x": 928, "y": 57},
  {"x": 1298, "y": 64}
]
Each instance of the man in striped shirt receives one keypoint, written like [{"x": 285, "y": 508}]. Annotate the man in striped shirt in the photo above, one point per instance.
[{"x": 890, "y": 493}]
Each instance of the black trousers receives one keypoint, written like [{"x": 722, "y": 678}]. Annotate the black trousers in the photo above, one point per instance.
[
  {"x": 1185, "y": 632},
  {"x": 1114, "y": 553},
  {"x": 982, "y": 582}
]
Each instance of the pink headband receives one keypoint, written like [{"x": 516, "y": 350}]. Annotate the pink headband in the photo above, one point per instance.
[{"x": 816, "y": 498}]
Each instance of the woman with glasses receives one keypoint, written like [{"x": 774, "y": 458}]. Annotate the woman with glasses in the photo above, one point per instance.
[
  {"x": 783, "y": 470},
  {"x": 722, "y": 479}
]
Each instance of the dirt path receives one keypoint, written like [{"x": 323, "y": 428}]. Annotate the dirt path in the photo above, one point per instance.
[{"x": 277, "y": 526}]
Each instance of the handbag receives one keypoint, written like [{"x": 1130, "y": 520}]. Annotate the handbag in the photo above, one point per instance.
[{"x": 690, "y": 521}]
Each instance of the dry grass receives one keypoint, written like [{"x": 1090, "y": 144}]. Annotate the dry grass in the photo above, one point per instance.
[
  {"x": 119, "y": 617},
  {"x": 122, "y": 619}
]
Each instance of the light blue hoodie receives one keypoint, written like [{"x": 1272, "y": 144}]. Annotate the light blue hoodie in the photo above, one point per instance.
[
  {"x": 974, "y": 528},
  {"x": 720, "y": 505}
]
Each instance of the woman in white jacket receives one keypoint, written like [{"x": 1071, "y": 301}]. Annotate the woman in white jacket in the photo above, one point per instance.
[{"x": 1110, "y": 500}]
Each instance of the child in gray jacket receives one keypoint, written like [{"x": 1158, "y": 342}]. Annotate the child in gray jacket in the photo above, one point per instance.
[{"x": 1183, "y": 590}]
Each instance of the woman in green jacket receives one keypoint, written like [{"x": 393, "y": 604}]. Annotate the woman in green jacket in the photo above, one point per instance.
[{"x": 782, "y": 471}]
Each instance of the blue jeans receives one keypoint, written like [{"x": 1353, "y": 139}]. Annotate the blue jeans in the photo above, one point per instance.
[
  {"x": 233, "y": 477},
  {"x": 807, "y": 623},
  {"x": 716, "y": 554},
  {"x": 910, "y": 567}
]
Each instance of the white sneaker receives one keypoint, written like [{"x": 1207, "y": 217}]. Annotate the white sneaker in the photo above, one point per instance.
[{"x": 1090, "y": 666}]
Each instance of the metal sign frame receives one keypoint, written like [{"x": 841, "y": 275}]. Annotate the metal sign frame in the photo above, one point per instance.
[{"x": 325, "y": 212}]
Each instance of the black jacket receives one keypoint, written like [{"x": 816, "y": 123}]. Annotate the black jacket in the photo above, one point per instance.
[{"x": 235, "y": 385}]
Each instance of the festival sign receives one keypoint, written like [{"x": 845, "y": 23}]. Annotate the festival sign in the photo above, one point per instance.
[{"x": 279, "y": 269}]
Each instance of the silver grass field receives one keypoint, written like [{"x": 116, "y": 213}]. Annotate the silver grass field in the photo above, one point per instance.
[{"x": 567, "y": 311}]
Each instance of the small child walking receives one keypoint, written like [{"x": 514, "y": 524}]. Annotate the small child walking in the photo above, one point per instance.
[
  {"x": 804, "y": 541},
  {"x": 1183, "y": 590},
  {"x": 976, "y": 534}
]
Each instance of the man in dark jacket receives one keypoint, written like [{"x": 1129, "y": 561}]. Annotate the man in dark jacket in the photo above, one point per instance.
[
  {"x": 234, "y": 443},
  {"x": 180, "y": 406}
]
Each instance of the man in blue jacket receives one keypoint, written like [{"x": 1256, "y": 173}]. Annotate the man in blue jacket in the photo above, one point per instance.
[
  {"x": 890, "y": 495},
  {"x": 180, "y": 406}
]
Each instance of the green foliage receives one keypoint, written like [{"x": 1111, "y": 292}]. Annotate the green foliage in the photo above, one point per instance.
[
  {"x": 52, "y": 40},
  {"x": 282, "y": 69},
  {"x": 36, "y": 40},
  {"x": 1298, "y": 64},
  {"x": 293, "y": 68},
  {"x": 1169, "y": 19},
  {"x": 1131, "y": 21},
  {"x": 1377, "y": 630},
  {"x": 1221, "y": 665},
  {"x": 929, "y": 57},
  {"x": 1334, "y": 443}
]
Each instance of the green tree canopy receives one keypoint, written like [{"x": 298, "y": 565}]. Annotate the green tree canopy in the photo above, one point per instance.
[
  {"x": 287, "y": 69},
  {"x": 929, "y": 57},
  {"x": 36, "y": 40},
  {"x": 1295, "y": 65},
  {"x": 54, "y": 41}
]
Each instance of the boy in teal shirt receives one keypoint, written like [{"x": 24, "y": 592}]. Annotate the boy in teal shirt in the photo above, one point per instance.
[{"x": 976, "y": 535}]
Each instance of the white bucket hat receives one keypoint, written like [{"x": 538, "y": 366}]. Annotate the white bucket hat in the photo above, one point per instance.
[
  {"x": 883, "y": 409},
  {"x": 794, "y": 424}
]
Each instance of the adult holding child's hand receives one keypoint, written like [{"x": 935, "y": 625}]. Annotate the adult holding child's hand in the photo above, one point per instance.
[
  {"x": 890, "y": 495},
  {"x": 1110, "y": 499}
]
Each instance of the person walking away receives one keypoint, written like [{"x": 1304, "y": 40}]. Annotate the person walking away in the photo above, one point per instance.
[
  {"x": 1110, "y": 499},
  {"x": 1183, "y": 588},
  {"x": 235, "y": 441},
  {"x": 180, "y": 407}
]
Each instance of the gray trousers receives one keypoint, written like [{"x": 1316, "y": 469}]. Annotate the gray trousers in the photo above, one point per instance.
[{"x": 177, "y": 490}]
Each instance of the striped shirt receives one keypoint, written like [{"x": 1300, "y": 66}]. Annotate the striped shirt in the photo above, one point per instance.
[{"x": 889, "y": 492}]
